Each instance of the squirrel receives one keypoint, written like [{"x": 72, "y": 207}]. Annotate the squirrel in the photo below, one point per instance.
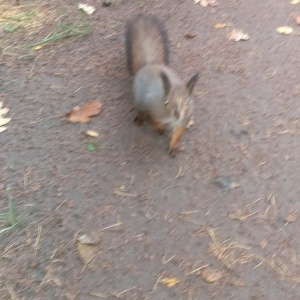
[{"x": 159, "y": 94}]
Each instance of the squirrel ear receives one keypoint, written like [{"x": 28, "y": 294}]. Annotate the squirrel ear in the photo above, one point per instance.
[
  {"x": 191, "y": 83},
  {"x": 166, "y": 82}
]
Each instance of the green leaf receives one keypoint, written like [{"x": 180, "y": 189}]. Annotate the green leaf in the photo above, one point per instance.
[{"x": 90, "y": 147}]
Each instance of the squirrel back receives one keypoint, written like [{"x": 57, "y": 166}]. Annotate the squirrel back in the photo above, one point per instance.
[{"x": 146, "y": 43}]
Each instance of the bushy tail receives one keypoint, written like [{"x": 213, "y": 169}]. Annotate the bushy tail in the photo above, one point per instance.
[{"x": 146, "y": 43}]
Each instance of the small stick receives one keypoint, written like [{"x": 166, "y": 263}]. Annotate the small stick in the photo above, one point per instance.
[{"x": 111, "y": 226}]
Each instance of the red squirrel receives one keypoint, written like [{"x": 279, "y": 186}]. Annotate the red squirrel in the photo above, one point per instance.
[{"x": 159, "y": 94}]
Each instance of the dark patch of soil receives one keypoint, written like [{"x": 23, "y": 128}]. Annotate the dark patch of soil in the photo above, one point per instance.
[{"x": 221, "y": 202}]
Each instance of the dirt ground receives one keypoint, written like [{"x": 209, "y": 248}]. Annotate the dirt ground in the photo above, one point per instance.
[{"x": 217, "y": 222}]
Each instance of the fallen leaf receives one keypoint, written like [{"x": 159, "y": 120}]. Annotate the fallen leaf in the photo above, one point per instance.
[
  {"x": 220, "y": 25},
  {"x": 87, "y": 239},
  {"x": 86, "y": 252},
  {"x": 92, "y": 133},
  {"x": 3, "y": 111},
  {"x": 226, "y": 183},
  {"x": 292, "y": 216},
  {"x": 91, "y": 147},
  {"x": 191, "y": 35},
  {"x": 205, "y": 3},
  {"x": 238, "y": 35},
  {"x": 88, "y": 9},
  {"x": 84, "y": 114},
  {"x": 295, "y": 2},
  {"x": 38, "y": 47},
  {"x": 284, "y": 30},
  {"x": 3, "y": 120},
  {"x": 190, "y": 123},
  {"x": 237, "y": 282},
  {"x": 297, "y": 20},
  {"x": 169, "y": 281},
  {"x": 211, "y": 275}
]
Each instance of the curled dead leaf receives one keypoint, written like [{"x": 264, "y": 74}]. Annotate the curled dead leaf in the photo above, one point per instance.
[
  {"x": 238, "y": 35},
  {"x": 211, "y": 275},
  {"x": 84, "y": 114}
]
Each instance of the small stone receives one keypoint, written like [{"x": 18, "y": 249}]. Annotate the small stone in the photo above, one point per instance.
[{"x": 106, "y": 3}]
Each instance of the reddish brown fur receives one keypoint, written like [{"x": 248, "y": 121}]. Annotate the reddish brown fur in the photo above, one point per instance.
[{"x": 146, "y": 43}]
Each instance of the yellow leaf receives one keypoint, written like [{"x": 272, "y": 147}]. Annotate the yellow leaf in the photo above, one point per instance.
[
  {"x": 284, "y": 30},
  {"x": 220, "y": 25},
  {"x": 38, "y": 47},
  {"x": 295, "y": 2},
  {"x": 86, "y": 252},
  {"x": 169, "y": 281},
  {"x": 92, "y": 133}
]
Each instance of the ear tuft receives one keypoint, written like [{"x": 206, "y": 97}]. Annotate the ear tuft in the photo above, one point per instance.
[
  {"x": 166, "y": 82},
  {"x": 191, "y": 83}
]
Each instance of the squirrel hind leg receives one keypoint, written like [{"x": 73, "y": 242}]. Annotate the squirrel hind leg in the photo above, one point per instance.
[
  {"x": 141, "y": 118},
  {"x": 160, "y": 128}
]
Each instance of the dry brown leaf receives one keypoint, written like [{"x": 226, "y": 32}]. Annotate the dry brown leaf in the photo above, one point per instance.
[
  {"x": 92, "y": 133},
  {"x": 211, "y": 275},
  {"x": 169, "y": 281},
  {"x": 84, "y": 114},
  {"x": 86, "y": 252},
  {"x": 297, "y": 20},
  {"x": 238, "y": 35},
  {"x": 284, "y": 30},
  {"x": 292, "y": 216}
]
